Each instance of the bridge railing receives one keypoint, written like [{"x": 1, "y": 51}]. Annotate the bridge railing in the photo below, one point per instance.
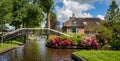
[{"x": 21, "y": 31}]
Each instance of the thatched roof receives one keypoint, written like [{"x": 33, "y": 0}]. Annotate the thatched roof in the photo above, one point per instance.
[{"x": 87, "y": 23}]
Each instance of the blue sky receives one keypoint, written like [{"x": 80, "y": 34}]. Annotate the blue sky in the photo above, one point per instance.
[
  {"x": 100, "y": 9},
  {"x": 81, "y": 8}
]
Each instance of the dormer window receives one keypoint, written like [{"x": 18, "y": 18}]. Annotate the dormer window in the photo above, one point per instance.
[
  {"x": 74, "y": 22},
  {"x": 98, "y": 23},
  {"x": 85, "y": 23}
]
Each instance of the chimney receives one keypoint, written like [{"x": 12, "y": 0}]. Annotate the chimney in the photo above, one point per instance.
[{"x": 73, "y": 15}]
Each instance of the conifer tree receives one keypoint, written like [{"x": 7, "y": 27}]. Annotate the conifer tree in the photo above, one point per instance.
[
  {"x": 112, "y": 14},
  {"x": 113, "y": 20}
]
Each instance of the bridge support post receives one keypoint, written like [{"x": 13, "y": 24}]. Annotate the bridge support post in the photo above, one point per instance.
[
  {"x": 47, "y": 37},
  {"x": 24, "y": 38},
  {"x": 47, "y": 33}
]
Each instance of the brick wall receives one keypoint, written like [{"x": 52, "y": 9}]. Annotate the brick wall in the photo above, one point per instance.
[
  {"x": 68, "y": 31},
  {"x": 81, "y": 31}
]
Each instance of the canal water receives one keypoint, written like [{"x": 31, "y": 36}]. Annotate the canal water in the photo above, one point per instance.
[{"x": 35, "y": 50}]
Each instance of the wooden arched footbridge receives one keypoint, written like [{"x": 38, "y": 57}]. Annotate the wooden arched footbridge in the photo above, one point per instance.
[{"x": 25, "y": 31}]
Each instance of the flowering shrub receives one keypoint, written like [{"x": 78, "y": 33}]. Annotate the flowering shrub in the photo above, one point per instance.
[
  {"x": 88, "y": 42},
  {"x": 64, "y": 42}
]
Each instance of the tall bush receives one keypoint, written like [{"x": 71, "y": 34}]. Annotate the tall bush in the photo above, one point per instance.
[{"x": 104, "y": 35}]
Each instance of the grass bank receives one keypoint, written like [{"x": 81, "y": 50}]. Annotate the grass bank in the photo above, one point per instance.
[
  {"x": 8, "y": 45},
  {"x": 99, "y": 55}
]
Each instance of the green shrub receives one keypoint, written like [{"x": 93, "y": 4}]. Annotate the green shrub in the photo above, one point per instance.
[
  {"x": 52, "y": 36},
  {"x": 77, "y": 38},
  {"x": 64, "y": 37},
  {"x": 106, "y": 47},
  {"x": 115, "y": 44}
]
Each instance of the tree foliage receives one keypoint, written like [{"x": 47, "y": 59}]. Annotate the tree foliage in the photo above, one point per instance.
[
  {"x": 5, "y": 11},
  {"x": 112, "y": 24},
  {"x": 53, "y": 20},
  {"x": 113, "y": 20},
  {"x": 33, "y": 16},
  {"x": 104, "y": 35},
  {"x": 46, "y": 6},
  {"x": 26, "y": 13},
  {"x": 112, "y": 14}
]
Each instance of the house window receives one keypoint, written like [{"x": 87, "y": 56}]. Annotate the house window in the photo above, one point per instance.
[
  {"x": 74, "y": 30},
  {"x": 85, "y": 23},
  {"x": 98, "y": 23}
]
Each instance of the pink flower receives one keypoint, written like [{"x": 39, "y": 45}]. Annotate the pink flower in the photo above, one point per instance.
[{"x": 60, "y": 43}]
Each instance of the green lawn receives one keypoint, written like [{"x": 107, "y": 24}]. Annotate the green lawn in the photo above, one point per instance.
[
  {"x": 99, "y": 55},
  {"x": 4, "y": 46}
]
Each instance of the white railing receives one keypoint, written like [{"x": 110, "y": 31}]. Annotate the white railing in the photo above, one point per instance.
[{"x": 21, "y": 29}]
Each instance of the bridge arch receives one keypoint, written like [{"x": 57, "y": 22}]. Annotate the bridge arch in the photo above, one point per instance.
[{"x": 23, "y": 32}]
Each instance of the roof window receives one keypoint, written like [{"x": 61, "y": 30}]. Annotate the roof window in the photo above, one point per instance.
[
  {"x": 85, "y": 23},
  {"x": 98, "y": 23},
  {"x": 74, "y": 22}
]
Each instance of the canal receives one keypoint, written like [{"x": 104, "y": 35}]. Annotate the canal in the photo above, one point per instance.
[{"x": 35, "y": 50}]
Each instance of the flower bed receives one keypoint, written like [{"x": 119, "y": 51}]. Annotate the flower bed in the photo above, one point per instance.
[{"x": 73, "y": 42}]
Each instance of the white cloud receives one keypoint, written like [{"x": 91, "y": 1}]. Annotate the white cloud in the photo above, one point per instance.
[
  {"x": 70, "y": 7},
  {"x": 80, "y": 1},
  {"x": 84, "y": 15},
  {"x": 100, "y": 16},
  {"x": 88, "y": 1}
]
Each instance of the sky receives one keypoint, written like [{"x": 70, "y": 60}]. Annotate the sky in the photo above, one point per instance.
[{"x": 81, "y": 8}]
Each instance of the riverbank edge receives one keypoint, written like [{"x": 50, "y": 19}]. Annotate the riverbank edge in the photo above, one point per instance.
[
  {"x": 11, "y": 48},
  {"x": 65, "y": 47},
  {"x": 76, "y": 58}
]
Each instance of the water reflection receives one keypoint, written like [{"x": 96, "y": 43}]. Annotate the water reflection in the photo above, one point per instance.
[
  {"x": 31, "y": 52},
  {"x": 37, "y": 51}
]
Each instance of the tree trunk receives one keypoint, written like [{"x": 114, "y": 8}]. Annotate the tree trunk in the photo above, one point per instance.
[
  {"x": 48, "y": 24},
  {"x": 48, "y": 20}
]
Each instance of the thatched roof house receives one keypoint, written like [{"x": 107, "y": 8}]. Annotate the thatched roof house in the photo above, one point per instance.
[{"x": 81, "y": 25}]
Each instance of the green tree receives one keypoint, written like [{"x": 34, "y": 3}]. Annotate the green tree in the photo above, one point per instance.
[
  {"x": 47, "y": 6},
  {"x": 113, "y": 21},
  {"x": 112, "y": 14},
  {"x": 34, "y": 16},
  {"x": 53, "y": 20},
  {"x": 5, "y": 11},
  {"x": 17, "y": 14},
  {"x": 26, "y": 13}
]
